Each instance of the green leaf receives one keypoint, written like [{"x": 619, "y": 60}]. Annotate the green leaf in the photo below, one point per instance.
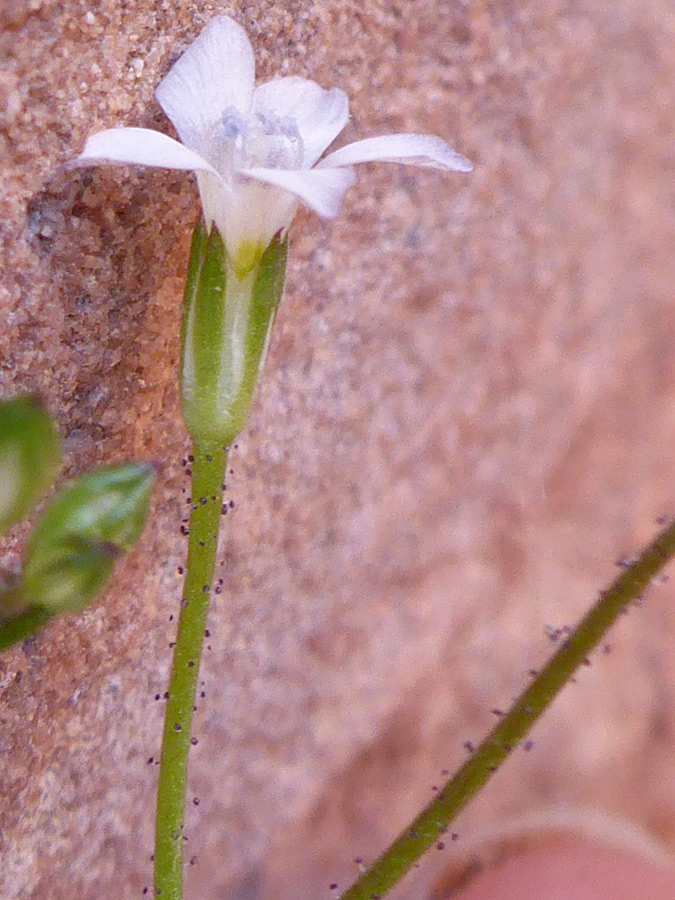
[
  {"x": 30, "y": 456},
  {"x": 23, "y": 626},
  {"x": 91, "y": 522}
]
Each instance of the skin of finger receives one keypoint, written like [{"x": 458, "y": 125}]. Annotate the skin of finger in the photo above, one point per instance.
[{"x": 572, "y": 870}]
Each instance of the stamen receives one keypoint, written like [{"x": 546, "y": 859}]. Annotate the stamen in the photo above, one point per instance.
[
  {"x": 234, "y": 124},
  {"x": 265, "y": 140}
]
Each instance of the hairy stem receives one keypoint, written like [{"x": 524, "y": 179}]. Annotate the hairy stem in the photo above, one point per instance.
[
  {"x": 208, "y": 471},
  {"x": 430, "y": 826}
]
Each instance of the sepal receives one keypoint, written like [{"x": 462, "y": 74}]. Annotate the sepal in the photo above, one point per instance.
[{"x": 227, "y": 321}]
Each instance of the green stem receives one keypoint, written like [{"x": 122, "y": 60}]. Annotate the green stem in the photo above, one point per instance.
[
  {"x": 430, "y": 826},
  {"x": 208, "y": 471}
]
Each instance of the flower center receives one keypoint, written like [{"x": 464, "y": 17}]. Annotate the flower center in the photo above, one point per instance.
[{"x": 263, "y": 140}]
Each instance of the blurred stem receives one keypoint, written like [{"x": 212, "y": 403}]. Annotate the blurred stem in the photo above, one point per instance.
[
  {"x": 208, "y": 472},
  {"x": 430, "y": 826}
]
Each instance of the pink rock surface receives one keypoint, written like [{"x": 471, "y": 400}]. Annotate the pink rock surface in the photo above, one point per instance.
[
  {"x": 467, "y": 416},
  {"x": 570, "y": 870}
]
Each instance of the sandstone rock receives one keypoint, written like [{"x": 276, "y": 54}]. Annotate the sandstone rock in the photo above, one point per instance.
[{"x": 466, "y": 417}]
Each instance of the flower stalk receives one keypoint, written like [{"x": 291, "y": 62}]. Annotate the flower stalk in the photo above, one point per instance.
[
  {"x": 429, "y": 828},
  {"x": 258, "y": 152},
  {"x": 227, "y": 320},
  {"x": 208, "y": 471}
]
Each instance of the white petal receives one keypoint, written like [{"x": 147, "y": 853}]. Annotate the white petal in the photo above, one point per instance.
[
  {"x": 408, "y": 149},
  {"x": 321, "y": 190},
  {"x": 214, "y": 73},
  {"x": 319, "y": 114},
  {"x": 142, "y": 147},
  {"x": 252, "y": 212}
]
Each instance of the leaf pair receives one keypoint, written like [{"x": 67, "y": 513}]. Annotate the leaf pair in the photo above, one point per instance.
[{"x": 91, "y": 521}]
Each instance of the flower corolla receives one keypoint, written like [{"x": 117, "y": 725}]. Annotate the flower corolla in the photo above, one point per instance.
[{"x": 256, "y": 151}]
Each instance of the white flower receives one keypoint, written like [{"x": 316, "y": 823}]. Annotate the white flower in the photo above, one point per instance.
[{"x": 256, "y": 151}]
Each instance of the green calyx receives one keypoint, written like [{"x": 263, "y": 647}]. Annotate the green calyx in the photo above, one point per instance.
[{"x": 227, "y": 321}]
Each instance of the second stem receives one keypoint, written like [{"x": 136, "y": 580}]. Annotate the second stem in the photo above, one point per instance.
[{"x": 208, "y": 473}]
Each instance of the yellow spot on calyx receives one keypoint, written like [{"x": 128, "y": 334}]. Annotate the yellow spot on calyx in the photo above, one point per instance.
[{"x": 247, "y": 257}]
